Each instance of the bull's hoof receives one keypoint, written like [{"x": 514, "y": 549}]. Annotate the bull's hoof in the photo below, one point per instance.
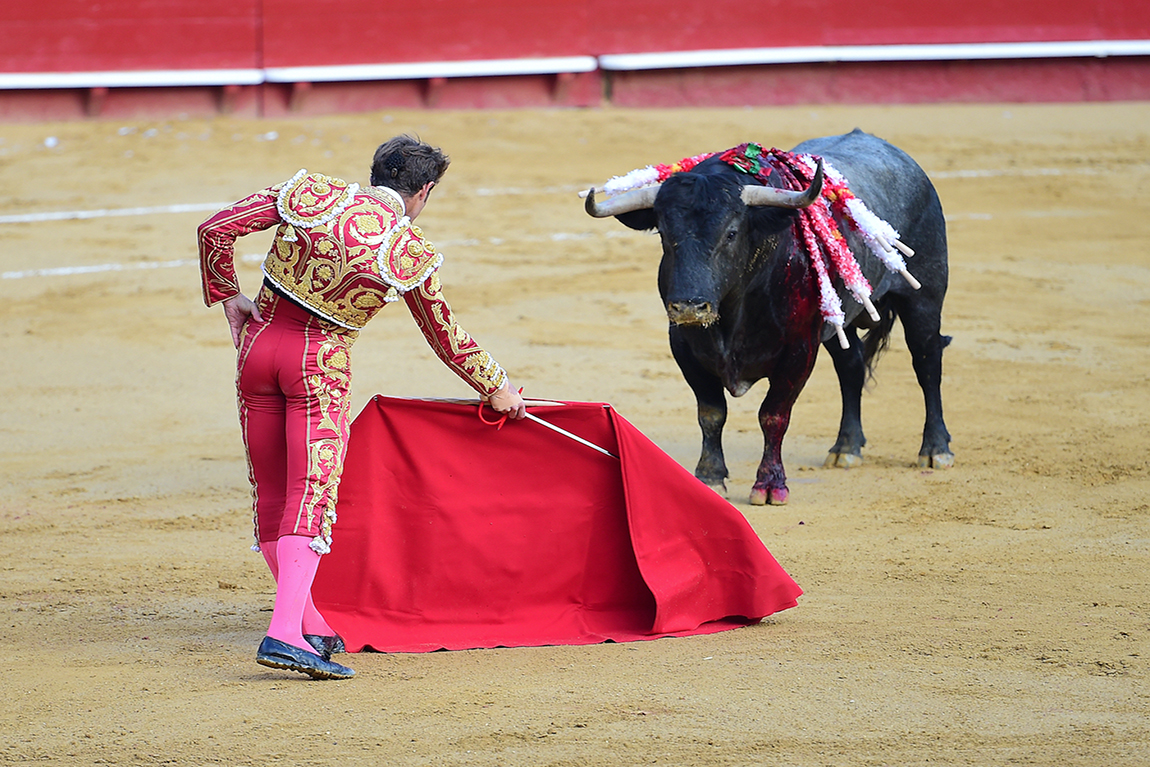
[
  {"x": 842, "y": 461},
  {"x": 936, "y": 461},
  {"x": 774, "y": 496}
]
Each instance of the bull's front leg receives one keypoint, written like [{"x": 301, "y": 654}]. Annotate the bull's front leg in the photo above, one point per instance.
[
  {"x": 787, "y": 381},
  {"x": 712, "y": 407}
]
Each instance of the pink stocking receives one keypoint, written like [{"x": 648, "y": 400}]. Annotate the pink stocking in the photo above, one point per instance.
[
  {"x": 268, "y": 549},
  {"x": 313, "y": 621},
  {"x": 297, "y": 566}
]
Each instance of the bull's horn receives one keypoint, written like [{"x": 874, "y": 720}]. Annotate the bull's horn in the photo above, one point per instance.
[
  {"x": 785, "y": 198},
  {"x": 636, "y": 199}
]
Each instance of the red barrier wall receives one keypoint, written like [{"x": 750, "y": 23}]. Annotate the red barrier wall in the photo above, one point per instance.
[
  {"x": 638, "y": 26},
  {"x": 81, "y": 35},
  {"x": 368, "y": 31},
  {"x": 78, "y": 35},
  {"x": 64, "y": 36}
]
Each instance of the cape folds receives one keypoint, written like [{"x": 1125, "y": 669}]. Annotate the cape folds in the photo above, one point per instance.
[{"x": 455, "y": 535}]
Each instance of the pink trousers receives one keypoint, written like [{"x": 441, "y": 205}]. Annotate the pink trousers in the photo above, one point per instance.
[{"x": 293, "y": 375}]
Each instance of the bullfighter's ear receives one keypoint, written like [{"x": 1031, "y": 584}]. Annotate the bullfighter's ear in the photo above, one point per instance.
[{"x": 643, "y": 220}]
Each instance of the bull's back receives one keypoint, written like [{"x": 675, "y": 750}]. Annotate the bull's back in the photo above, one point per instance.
[
  {"x": 885, "y": 177},
  {"x": 896, "y": 189},
  {"x": 863, "y": 151}
]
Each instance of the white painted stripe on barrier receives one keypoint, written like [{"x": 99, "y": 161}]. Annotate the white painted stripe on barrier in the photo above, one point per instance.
[
  {"x": 416, "y": 70},
  {"x": 159, "y": 78},
  {"x": 424, "y": 70},
  {"x": 833, "y": 53}
]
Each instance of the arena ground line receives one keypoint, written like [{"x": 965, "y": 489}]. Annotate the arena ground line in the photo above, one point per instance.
[
  {"x": 67, "y": 215},
  {"x": 67, "y": 271},
  {"x": 202, "y": 207}
]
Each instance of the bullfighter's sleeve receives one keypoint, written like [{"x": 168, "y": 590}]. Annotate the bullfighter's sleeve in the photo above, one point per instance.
[
  {"x": 451, "y": 343},
  {"x": 217, "y": 241}
]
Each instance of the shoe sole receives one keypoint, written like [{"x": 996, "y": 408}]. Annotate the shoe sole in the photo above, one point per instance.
[{"x": 273, "y": 661}]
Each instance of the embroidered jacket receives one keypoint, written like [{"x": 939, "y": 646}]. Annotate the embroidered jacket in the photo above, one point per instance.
[{"x": 344, "y": 253}]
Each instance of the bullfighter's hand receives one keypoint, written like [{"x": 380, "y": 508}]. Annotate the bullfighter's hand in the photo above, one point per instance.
[
  {"x": 237, "y": 310},
  {"x": 508, "y": 402}
]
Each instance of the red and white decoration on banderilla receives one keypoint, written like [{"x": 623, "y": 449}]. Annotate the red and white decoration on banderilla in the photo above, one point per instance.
[{"x": 815, "y": 227}]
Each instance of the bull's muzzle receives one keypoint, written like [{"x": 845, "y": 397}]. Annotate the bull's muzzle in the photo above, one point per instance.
[{"x": 692, "y": 313}]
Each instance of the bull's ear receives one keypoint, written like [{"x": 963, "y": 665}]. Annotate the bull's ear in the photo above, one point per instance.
[
  {"x": 643, "y": 220},
  {"x": 768, "y": 221}
]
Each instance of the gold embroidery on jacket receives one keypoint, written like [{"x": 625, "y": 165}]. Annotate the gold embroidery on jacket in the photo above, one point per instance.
[
  {"x": 331, "y": 263},
  {"x": 476, "y": 363}
]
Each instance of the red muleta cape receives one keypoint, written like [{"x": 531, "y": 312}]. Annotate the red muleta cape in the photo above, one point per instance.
[{"x": 453, "y": 535}]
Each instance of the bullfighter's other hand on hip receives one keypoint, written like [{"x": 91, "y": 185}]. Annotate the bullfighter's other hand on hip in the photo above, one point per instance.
[{"x": 237, "y": 310}]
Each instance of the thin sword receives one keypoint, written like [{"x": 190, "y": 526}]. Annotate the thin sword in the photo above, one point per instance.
[
  {"x": 536, "y": 419},
  {"x": 569, "y": 435}
]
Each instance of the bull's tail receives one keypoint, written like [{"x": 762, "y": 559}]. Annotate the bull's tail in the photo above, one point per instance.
[{"x": 877, "y": 339}]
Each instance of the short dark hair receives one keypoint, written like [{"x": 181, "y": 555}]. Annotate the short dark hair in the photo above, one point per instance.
[{"x": 406, "y": 164}]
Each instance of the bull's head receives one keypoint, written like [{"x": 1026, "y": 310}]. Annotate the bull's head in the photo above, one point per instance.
[{"x": 713, "y": 229}]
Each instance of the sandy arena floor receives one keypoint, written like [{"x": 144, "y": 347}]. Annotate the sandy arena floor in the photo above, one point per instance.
[{"x": 996, "y": 613}]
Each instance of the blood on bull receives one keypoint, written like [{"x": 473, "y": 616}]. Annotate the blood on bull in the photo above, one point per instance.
[{"x": 767, "y": 255}]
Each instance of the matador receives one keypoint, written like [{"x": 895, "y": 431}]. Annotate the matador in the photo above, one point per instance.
[{"x": 340, "y": 254}]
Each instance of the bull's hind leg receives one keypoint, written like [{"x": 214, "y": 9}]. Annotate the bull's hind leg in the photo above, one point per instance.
[
  {"x": 850, "y": 365},
  {"x": 921, "y": 321},
  {"x": 712, "y": 405}
]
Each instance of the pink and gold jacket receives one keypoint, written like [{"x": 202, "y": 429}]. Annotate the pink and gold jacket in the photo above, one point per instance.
[{"x": 343, "y": 253}]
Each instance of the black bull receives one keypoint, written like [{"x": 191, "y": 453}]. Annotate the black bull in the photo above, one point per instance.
[{"x": 743, "y": 300}]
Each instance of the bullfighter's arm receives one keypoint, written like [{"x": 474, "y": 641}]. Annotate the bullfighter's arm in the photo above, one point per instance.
[
  {"x": 217, "y": 242},
  {"x": 451, "y": 343}
]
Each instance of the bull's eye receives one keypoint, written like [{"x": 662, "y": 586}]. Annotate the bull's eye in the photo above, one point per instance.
[{"x": 732, "y": 234}]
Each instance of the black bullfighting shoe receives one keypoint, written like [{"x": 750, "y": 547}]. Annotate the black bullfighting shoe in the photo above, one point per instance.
[
  {"x": 277, "y": 654},
  {"x": 325, "y": 646}
]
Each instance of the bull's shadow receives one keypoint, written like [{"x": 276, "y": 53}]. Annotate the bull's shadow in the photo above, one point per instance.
[{"x": 755, "y": 277}]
